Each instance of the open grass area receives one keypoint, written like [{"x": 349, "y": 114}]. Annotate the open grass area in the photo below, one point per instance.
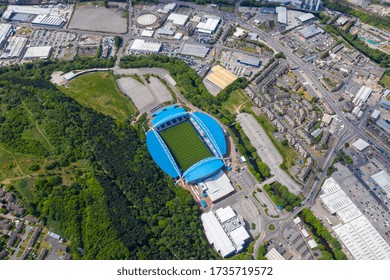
[
  {"x": 288, "y": 154},
  {"x": 227, "y": 8},
  {"x": 25, "y": 187},
  {"x": 100, "y": 92},
  {"x": 185, "y": 144},
  {"x": 237, "y": 100},
  {"x": 385, "y": 81}
]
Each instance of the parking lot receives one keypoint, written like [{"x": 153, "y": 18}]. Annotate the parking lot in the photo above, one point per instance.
[{"x": 64, "y": 44}]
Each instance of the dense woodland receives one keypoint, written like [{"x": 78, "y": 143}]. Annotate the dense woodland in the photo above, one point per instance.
[{"x": 123, "y": 207}]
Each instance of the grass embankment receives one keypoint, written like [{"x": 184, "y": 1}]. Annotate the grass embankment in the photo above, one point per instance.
[
  {"x": 237, "y": 100},
  {"x": 100, "y": 92}
]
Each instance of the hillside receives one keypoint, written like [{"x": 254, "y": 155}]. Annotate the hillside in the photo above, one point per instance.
[{"x": 90, "y": 179}]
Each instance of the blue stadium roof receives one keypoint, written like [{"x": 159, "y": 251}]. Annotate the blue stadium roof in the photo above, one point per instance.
[
  {"x": 212, "y": 130},
  {"x": 164, "y": 158},
  {"x": 203, "y": 169},
  {"x": 166, "y": 114},
  {"x": 161, "y": 154}
]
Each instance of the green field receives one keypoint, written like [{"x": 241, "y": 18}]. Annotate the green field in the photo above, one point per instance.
[
  {"x": 100, "y": 92},
  {"x": 185, "y": 144},
  {"x": 237, "y": 100}
]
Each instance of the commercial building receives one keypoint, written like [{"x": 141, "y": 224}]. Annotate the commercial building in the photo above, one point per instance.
[
  {"x": 165, "y": 31},
  {"x": 178, "y": 19},
  {"x": 194, "y": 50},
  {"x": 167, "y": 8},
  {"x": 38, "y": 52},
  {"x": 306, "y": 17},
  {"x": 225, "y": 230},
  {"x": 5, "y": 30},
  {"x": 362, "y": 95},
  {"x": 239, "y": 32},
  {"x": 217, "y": 186},
  {"x": 375, "y": 114},
  {"x": 145, "y": 46},
  {"x": 382, "y": 179},
  {"x": 282, "y": 15},
  {"x": 208, "y": 24},
  {"x": 147, "y": 33},
  {"x": 341, "y": 21},
  {"x": 274, "y": 255},
  {"x": 360, "y": 144},
  {"x": 14, "y": 48},
  {"x": 221, "y": 77},
  {"x": 385, "y": 104},
  {"x": 356, "y": 232},
  {"x": 384, "y": 124},
  {"x": 310, "y": 31},
  {"x": 250, "y": 61},
  {"x": 41, "y": 15}
]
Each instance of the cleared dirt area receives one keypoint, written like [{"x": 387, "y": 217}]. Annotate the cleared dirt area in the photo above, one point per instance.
[
  {"x": 142, "y": 98},
  {"x": 102, "y": 19},
  {"x": 160, "y": 90}
]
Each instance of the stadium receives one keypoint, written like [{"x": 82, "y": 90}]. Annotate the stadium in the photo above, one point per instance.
[{"x": 186, "y": 145}]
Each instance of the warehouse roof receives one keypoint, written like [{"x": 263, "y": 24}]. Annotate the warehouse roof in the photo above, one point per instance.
[
  {"x": 228, "y": 237},
  {"x": 178, "y": 19},
  {"x": 330, "y": 186},
  {"x": 282, "y": 14},
  {"x": 217, "y": 187},
  {"x": 15, "y": 47},
  {"x": 194, "y": 50},
  {"x": 362, "y": 95},
  {"x": 363, "y": 240},
  {"x": 37, "y": 52},
  {"x": 360, "y": 144},
  {"x": 145, "y": 46},
  {"x": 209, "y": 25},
  {"x": 5, "y": 30},
  {"x": 383, "y": 180},
  {"x": 349, "y": 213},
  {"x": 274, "y": 255},
  {"x": 310, "y": 31},
  {"x": 336, "y": 201},
  {"x": 305, "y": 17},
  {"x": 250, "y": 60},
  {"x": 221, "y": 77}
]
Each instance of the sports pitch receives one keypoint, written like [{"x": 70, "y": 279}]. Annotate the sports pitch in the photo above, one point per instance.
[{"x": 185, "y": 144}]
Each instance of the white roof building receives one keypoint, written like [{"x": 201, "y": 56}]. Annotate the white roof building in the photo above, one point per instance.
[
  {"x": 239, "y": 32},
  {"x": 356, "y": 232},
  {"x": 178, "y": 19},
  {"x": 282, "y": 15},
  {"x": 217, "y": 186},
  {"x": 375, "y": 114},
  {"x": 147, "y": 33},
  {"x": 274, "y": 255},
  {"x": 225, "y": 231},
  {"x": 382, "y": 179},
  {"x": 14, "y": 48},
  {"x": 335, "y": 201},
  {"x": 312, "y": 243},
  {"x": 167, "y": 8},
  {"x": 305, "y": 17},
  {"x": 362, "y": 95},
  {"x": 145, "y": 46},
  {"x": 360, "y": 144},
  {"x": 208, "y": 26},
  {"x": 5, "y": 30},
  {"x": 37, "y": 52},
  {"x": 363, "y": 240}
]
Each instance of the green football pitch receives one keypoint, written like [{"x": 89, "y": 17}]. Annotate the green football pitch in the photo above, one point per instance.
[{"x": 185, "y": 144}]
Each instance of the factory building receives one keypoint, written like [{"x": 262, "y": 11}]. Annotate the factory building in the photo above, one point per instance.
[
  {"x": 38, "y": 52},
  {"x": 194, "y": 50},
  {"x": 282, "y": 15},
  {"x": 5, "y": 31},
  {"x": 208, "y": 24},
  {"x": 145, "y": 46},
  {"x": 356, "y": 232},
  {"x": 250, "y": 61},
  {"x": 382, "y": 179},
  {"x": 178, "y": 19},
  {"x": 305, "y": 18},
  {"x": 217, "y": 187},
  {"x": 225, "y": 230},
  {"x": 362, "y": 96},
  {"x": 14, "y": 48},
  {"x": 310, "y": 31}
]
